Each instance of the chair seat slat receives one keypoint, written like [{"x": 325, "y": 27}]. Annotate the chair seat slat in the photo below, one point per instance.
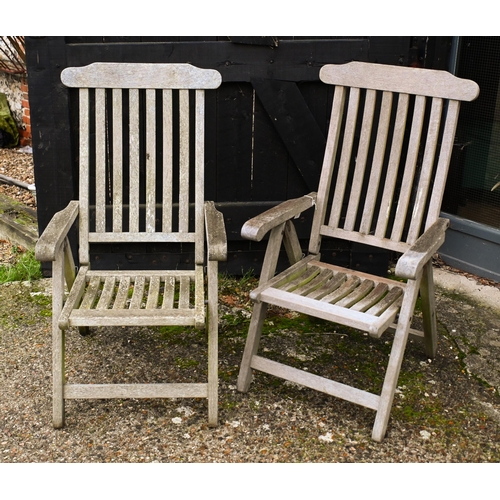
[
  {"x": 106, "y": 293},
  {"x": 184, "y": 292},
  {"x": 153, "y": 293},
  {"x": 372, "y": 298},
  {"x": 345, "y": 289},
  {"x": 91, "y": 292},
  {"x": 308, "y": 274},
  {"x": 331, "y": 285},
  {"x": 122, "y": 293},
  {"x": 389, "y": 300},
  {"x": 317, "y": 282},
  {"x": 168, "y": 293},
  {"x": 356, "y": 295},
  {"x": 138, "y": 293}
]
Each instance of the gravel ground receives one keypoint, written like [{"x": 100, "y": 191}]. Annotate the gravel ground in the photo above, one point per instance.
[
  {"x": 17, "y": 164},
  {"x": 443, "y": 411}
]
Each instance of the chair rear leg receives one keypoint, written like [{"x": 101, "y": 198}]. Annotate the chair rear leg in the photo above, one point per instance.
[
  {"x": 252, "y": 346},
  {"x": 429, "y": 310}
]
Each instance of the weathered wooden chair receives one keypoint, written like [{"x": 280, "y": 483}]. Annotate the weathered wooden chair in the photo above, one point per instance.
[
  {"x": 388, "y": 149},
  {"x": 132, "y": 189}
]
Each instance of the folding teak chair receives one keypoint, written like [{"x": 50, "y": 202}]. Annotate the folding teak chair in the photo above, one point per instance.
[
  {"x": 388, "y": 150},
  {"x": 141, "y": 160}
]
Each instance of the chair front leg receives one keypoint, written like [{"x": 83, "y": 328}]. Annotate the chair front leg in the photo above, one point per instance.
[
  {"x": 58, "y": 341},
  {"x": 395, "y": 361},
  {"x": 213, "y": 327},
  {"x": 251, "y": 346},
  {"x": 260, "y": 308}
]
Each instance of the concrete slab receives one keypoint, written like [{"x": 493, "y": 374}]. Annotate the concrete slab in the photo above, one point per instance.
[{"x": 483, "y": 294}]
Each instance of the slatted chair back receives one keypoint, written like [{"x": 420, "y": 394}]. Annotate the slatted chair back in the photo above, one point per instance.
[
  {"x": 389, "y": 165},
  {"x": 141, "y": 153}
]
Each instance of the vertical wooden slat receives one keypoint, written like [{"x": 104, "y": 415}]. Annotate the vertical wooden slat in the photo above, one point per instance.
[
  {"x": 150, "y": 160},
  {"x": 392, "y": 169},
  {"x": 410, "y": 166},
  {"x": 117, "y": 161},
  {"x": 199, "y": 177},
  {"x": 377, "y": 163},
  {"x": 134, "y": 160},
  {"x": 444, "y": 162},
  {"x": 84, "y": 176},
  {"x": 183, "y": 161},
  {"x": 328, "y": 166},
  {"x": 361, "y": 158},
  {"x": 345, "y": 158},
  {"x": 167, "y": 162},
  {"x": 100, "y": 160},
  {"x": 427, "y": 170}
]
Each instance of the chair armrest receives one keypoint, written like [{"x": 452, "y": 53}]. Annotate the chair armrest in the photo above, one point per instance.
[
  {"x": 414, "y": 259},
  {"x": 216, "y": 233},
  {"x": 257, "y": 227},
  {"x": 56, "y": 231}
]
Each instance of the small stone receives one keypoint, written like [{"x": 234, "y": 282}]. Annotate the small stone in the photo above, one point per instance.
[{"x": 425, "y": 435}]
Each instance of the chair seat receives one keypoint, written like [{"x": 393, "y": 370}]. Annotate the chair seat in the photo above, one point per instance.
[
  {"x": 347, "y": 297},
  {"x": 134, "y": 298}
]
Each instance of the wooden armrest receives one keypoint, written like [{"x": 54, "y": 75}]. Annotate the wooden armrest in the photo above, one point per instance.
[
  {"x": 256, "y": 228},
  {"x": 216, "y": 233},
  {"x": 414, "y": 259},
  {"x": 57, "y": 229}
]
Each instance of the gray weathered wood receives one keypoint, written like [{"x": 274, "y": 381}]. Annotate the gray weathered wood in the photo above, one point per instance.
[
  {"x": 384, "y": 196},
  {"x": 400, "y": 79},
  {"x": 216, "y": 231},
  {"x": 50, "y": 242},
  {"x": 139, "y": 297},
  {"x": 256, "y": 228},
  {"x": 137, "y": 391},
  {"x": 141, "y": 76}
]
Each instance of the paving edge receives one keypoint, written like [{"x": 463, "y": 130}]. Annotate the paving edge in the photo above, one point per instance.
[
  {"x": 485, "y": 295},
  {"x": 18, "y": 234}
]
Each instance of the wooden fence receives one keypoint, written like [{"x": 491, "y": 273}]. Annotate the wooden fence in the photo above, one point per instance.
[{"x": 267, "y": 129}]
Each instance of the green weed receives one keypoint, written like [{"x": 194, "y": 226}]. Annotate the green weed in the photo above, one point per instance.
[{"x": 25, "y": 268}]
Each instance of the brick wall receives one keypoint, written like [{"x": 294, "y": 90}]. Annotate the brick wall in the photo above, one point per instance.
[
  {"x": 25, "y": 126},
  {"x": 15, "y": 87}
]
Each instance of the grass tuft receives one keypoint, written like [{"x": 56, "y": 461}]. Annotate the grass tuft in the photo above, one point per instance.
[{"x": 25, "y": 268}]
